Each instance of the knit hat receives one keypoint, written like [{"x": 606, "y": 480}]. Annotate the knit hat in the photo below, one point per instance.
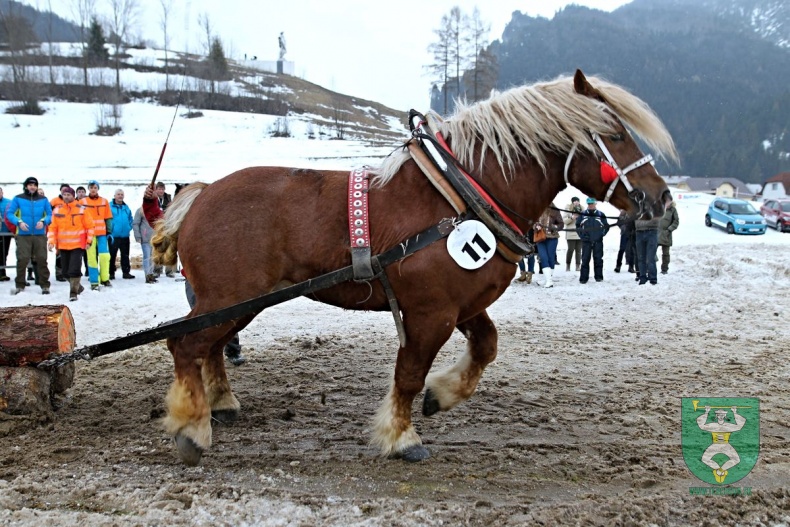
[
  {"x": 67, "y": 190},
  {"x": 590, "y": 201},
  {"x": 29, "y": 180},
  {"x": 94, "y": 182},
  {"x": 574, "y": 199}
]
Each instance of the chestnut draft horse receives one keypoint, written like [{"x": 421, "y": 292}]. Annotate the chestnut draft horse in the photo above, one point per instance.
[{"x": 271, "y": 227}]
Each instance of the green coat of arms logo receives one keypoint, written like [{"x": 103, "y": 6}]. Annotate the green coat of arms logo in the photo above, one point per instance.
[{"x": 720, "y": 437}]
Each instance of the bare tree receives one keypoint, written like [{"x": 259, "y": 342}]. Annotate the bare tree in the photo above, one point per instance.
[
  {"x": 84, "y": 11},
  {"x": 50, "y": 50},
  {"x": 439, "y": 69},
  {"x": 164, "y": 20},
  {"x": 20, "y": 36},
  {"x": 456, "y": 22},
  {"x": 476, "y": 39},
  {"x": 123, "y": 14}
]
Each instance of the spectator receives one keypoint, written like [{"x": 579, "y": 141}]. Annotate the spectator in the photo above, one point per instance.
[
  {"x": 152, "y": 214},
  {"x": 31, "y": 213},
  {"x": 81, "y": 193},
  {"x": 626, "y": 247},
  {"x": 646, "y": 246},
  {"x": 121, "y": 227},
  {"x": 55, "y": 203},
  {"x": 70, "y": 232},
  {"x": 526, "y": 273},
  {"x": 550, "y": 223},
  {"x": 669, "y": 223},
  {"x": 163, "y": 199},
  {"x": 572, "y": 212},
  {"x": 5, "y": 236},
  {"x": 142, "y": 235},
  {"x": 99, "y": 251},
  {"x": 592, "y": 227}
]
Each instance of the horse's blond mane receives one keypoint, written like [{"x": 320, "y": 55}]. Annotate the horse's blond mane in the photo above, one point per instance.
[{"x": 544, "y": 117}]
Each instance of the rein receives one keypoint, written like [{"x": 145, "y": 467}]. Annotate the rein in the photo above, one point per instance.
[{"x": 181, "y": 326}]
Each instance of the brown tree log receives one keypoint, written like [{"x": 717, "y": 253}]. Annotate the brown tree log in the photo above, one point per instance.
[{"x": 31, "y": 334}]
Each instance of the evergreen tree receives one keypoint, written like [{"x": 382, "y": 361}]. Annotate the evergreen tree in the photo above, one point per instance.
[
  {"x": 97, "y": 52},
  {"x": 216, "y": 57}
]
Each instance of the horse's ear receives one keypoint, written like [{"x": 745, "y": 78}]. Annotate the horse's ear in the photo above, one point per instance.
[{"x": 583, "y": 87}]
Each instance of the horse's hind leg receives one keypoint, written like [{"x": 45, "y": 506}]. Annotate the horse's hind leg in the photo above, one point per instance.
[
  {"x": 393, "y": 431},
  {"x": 219, "y": 396},
  {"x": 224, "y": 405},
  {"x": 188, "y": 413},
  {"x": 457, "y": 383}
]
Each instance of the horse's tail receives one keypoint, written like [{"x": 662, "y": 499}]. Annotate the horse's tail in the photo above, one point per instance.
[{"x": 165, "y": 239}]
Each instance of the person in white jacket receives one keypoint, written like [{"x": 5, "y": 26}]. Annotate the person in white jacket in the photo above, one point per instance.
[
  {"x": 142, "y": 235},
  {"x": 572, "y": 212}
]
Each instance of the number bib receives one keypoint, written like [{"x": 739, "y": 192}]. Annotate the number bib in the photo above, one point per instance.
[{"x": 471, "y": 244}]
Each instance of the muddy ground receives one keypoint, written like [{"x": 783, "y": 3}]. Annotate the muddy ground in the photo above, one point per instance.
[{"x": 577, "y": 421}]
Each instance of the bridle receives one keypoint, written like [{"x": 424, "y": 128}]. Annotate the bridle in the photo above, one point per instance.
[{"x": 637, "y": 195}]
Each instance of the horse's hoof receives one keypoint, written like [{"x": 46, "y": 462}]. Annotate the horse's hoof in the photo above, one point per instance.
[
  {"x": 225, "y": 417},
  {"x": 430, "y": 404},
  {"x": 414, "y": 453},
  {"x": 188, "y": 450}
]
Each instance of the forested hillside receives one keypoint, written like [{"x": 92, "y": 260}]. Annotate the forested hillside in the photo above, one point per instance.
[{"x": 715, "y": 75}]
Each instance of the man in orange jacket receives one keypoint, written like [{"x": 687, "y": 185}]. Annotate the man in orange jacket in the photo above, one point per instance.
[
  {"x": 56, "y": 202},
  {"x": 99, "y": 251},
  {"x": 70, "y": 232}
]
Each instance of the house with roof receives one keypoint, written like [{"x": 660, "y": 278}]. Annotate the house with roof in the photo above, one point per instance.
[
  {"x": 718, "y": 186},
  {"x": 777, "y": 187}
]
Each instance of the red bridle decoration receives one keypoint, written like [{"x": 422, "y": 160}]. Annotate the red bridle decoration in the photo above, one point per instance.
[{"x": 608, "y": 173}]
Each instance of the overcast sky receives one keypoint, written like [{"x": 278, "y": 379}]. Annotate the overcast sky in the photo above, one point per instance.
[{"x": 375, "y": 50}]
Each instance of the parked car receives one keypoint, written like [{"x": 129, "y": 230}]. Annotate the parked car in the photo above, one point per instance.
[
  {"x": 777, "y": 214},
  {"x": 735, "y": 216}
]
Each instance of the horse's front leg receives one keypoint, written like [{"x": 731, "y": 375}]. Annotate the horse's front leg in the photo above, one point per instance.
[
  {"x": 457, "y": 383},
  {"x": 393, "y": 431},
  {"x": 188, "y": 412}
]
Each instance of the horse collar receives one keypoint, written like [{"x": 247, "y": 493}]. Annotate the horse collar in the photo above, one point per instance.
[{"x": 512, "y": 243}]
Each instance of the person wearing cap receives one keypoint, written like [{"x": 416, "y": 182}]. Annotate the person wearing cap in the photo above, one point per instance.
[
  {"x": 592, "y": 227},
  {"x": 30, "y": 212},
  {"x": 5, "y": 237},
  {"x": 70, "y": 232},
  {"x": 55, "y": 203},
  {"x": 99, "y": 251},
  {"x": 572, "y": 212}
]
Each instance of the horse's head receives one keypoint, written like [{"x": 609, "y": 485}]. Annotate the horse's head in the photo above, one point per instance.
[{"x": 617, "y": 170}]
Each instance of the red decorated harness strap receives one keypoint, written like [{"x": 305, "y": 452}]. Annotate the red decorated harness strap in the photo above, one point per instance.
[{"x": 358, "y": 225}]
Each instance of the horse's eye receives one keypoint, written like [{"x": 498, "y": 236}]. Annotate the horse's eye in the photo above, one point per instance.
[{"x": 618, "y": 137}]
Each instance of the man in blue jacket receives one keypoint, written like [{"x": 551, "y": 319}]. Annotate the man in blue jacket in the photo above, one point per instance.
[
  {"x": 5, "y": 237},
  {"x": 592, "y": 227},
  {"x": 122, "y": 224},
  {"x": 30, "y": 212}
]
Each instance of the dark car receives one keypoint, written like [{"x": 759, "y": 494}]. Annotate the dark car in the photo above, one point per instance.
[{"x": 777, "y": 214}]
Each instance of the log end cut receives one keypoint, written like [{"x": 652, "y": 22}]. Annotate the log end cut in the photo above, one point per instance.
[{"x": 31, "y": 334}]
